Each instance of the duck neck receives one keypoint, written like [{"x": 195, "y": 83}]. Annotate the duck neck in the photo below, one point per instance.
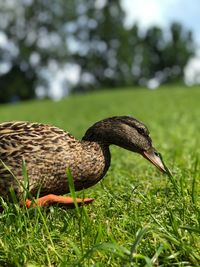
[
  {"x": 101, "y": 133},
  {"x": 97, "y": 150},
  {"x": 96, "y": 157}
]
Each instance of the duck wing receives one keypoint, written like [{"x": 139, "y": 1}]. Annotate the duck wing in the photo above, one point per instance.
[{"x": 44, "y": 149}]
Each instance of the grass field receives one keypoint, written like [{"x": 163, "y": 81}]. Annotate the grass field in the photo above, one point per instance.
[{"x": 140, "y": 217}]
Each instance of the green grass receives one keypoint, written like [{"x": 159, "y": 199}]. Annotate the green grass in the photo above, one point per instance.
[{"x": 140, "y": 217}]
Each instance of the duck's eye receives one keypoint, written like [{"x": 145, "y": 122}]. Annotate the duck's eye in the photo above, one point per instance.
[
  {"x": 141, "y": 131},
  {"x": 156, "y": 154}
]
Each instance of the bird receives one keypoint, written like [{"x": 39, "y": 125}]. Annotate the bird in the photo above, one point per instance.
[{"x": 47, "y": 152}]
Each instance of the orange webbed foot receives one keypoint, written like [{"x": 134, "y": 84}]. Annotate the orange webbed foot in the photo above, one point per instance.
[{"x": 51, "y": 199}]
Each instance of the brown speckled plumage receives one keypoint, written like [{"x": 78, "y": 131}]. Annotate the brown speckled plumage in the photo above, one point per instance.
[{"x": 49, "y": 151}]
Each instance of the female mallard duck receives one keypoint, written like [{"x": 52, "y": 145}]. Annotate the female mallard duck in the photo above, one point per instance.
[{"x": 49, "y": 151}]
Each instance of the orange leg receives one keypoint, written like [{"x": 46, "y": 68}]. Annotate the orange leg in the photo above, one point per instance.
[{"x": 53, "y": 199}]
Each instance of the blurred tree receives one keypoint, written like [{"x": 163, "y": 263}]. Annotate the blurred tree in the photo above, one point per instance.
[
  {"x": 178, "y": 50},
  {"x": 105, "y": 55},
  {"x": 111, "y": 55},
  {"x": 35, "y": 36},
  {"x": 41, "y": 35},
  {"x": 152, "y": 53},
  {"x": 164, "y": 58},
  {"x": 17, "y": 85}
]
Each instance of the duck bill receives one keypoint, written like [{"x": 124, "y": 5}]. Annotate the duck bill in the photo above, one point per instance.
[{"x": 155, "y": 159}]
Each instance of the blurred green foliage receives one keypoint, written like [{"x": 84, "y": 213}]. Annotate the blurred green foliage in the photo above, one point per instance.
[{"x": 90, "y": 34}]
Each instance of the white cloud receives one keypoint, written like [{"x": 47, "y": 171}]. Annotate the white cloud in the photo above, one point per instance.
[{"x": 145, "y": 13}]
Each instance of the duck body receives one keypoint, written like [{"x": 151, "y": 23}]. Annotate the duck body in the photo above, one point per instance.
[{"x": 49, "y": 151}]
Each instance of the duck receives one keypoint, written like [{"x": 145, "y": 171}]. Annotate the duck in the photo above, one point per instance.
[{"x": 48, "y": 152}]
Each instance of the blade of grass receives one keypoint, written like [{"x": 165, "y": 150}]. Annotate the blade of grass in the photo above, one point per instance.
[
  {"x": 72, "y": 190},
  {"x": 26, "y": 193},
  {"x": 139, "y": 236}
]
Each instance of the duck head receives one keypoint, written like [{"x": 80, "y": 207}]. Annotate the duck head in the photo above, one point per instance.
[{"x": 128, "y": 133}]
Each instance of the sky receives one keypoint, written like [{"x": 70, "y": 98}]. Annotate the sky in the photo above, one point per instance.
[{"x": 162, "y": 12}]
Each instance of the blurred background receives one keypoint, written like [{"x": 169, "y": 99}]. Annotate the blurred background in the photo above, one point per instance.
[{"x": 49, "y": 49}]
